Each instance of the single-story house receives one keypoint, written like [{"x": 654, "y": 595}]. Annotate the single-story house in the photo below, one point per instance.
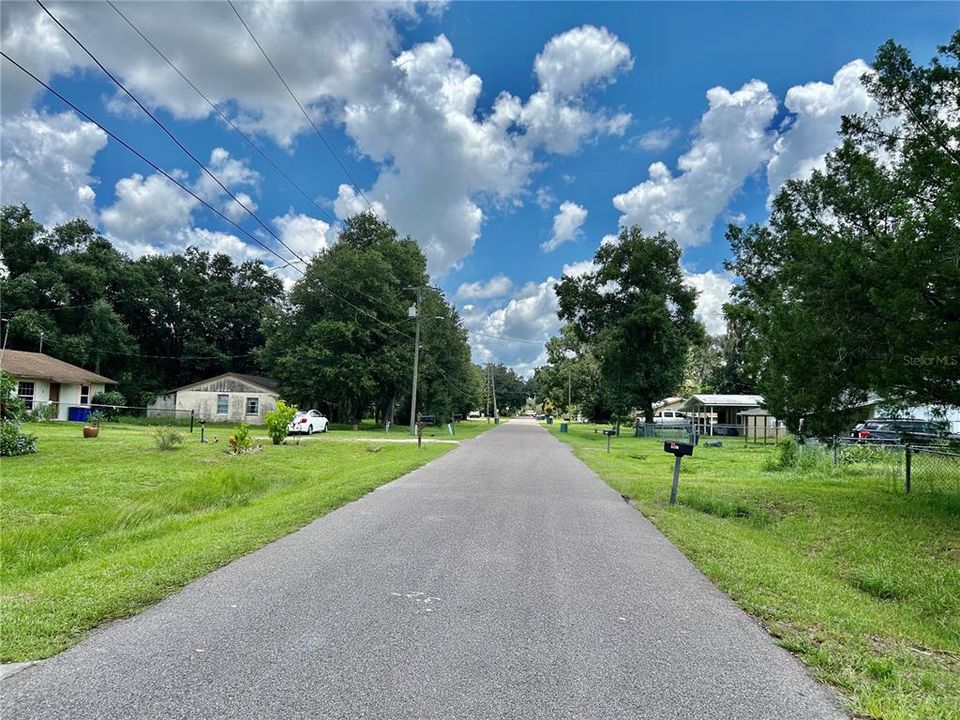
[
  {"x": 717, "y": 414},
  {"x": 230, "y": 397},
  {"x": 43, "y": 380}
]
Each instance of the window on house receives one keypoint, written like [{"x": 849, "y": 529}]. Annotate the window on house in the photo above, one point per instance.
[
  {"x": 253, "y": 406},
  {"x": 223, "y": 404},
  {"x": 84, "y": 394},
  {"x": 25, "y": 392}
]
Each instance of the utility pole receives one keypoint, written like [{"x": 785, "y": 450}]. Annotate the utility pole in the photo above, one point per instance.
[
  {"x": 569, "y": 386},
  {"x": 416, "y": 365},
  {"x": 493, "y": 385}
]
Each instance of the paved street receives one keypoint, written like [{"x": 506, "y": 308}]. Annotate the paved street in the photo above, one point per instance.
[{"x": 504, "y": 580}]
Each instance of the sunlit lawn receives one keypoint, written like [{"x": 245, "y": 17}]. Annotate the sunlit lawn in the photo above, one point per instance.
[
  {"x": 97, "y": 529},
  {"x": 858, "y": 579}
]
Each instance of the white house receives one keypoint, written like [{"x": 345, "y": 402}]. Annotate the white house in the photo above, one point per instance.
[
  {"x": 230, "y": 397},
  {"x": 43, "y": 380}
]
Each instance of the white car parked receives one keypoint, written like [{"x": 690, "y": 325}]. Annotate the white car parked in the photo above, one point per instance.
[{"x": 308, "y": 422}]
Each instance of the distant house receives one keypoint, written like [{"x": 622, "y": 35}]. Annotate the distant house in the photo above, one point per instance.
[
  {"x": 230, "y": 397},
  {"x": 718, "y": 414},
  {"x": 43, "y": 380}
]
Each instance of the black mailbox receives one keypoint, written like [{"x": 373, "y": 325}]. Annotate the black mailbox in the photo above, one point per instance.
[
  {"x": 677, "y": 448},
  {"x": 608, "y": 433},
  {"x": 427, "y": 419},
  {"x": 457, "y": 417}
]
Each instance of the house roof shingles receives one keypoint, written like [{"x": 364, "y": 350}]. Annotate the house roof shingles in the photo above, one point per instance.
[{"x": 23, "y": 364}]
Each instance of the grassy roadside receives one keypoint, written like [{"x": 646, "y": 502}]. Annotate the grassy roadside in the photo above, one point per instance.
[
  {"x": 99, "y": 529},
  {"x": 859, "y": 581}
]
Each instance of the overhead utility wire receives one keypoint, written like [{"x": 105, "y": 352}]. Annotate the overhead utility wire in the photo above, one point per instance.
[
  {"x": 141, "y": 156},
  {"x": 204, "y": 168},
  {"x": 225, "y": 117},
  {"x": 168, "y": 176},
  {"x": 169, "y": 134},
  {"x": 303, "y": 110}
]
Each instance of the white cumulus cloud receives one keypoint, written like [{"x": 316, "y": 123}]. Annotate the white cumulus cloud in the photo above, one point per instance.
[
  {"x": 814, "y": 130},
  {"x": 732, "y": 141},
  {"x": 580, "y": 57},
  {"x": 497, "y": 286},
  {"x": 306, "y": 235},
  {"x": 714, "y": 290},
  {"x": 566, "y": 225},
  {"x": 45, "y": 162}
]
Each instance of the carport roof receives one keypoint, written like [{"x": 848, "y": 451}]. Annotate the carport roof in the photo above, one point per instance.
[{"x": 744, "y": 401}]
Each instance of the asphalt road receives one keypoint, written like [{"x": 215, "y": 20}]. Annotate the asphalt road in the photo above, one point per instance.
[{"x": 503, "y": 580}]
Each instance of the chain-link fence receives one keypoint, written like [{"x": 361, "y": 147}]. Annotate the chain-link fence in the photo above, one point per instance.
[
  {"x": 49, "y": 410},
  {"x": 932, "y": 469},
  {"x": 869, "y": 460}
]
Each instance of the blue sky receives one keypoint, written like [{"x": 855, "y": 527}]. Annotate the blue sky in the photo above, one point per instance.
[{"x": 508, "y": 138}]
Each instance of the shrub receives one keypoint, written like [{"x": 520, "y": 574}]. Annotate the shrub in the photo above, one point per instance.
[
  {"x": 278, "y": 420},
  {"x": 15, "y": 442},
  {"x": 109, "y": 399},
  {"x": 95, "y": 418},
  {"x": 240, "y": 441},
  {"x": 11, "y": 406},
  {"x": 165, "y": 438},
  {"x": 784, "y": 456},
  {"x": 42, "y": 412}
]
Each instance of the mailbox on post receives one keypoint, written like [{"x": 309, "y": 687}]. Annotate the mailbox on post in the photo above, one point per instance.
[
  {"x": 609, "y": 433},
  {"x": 678, "y": 450}
]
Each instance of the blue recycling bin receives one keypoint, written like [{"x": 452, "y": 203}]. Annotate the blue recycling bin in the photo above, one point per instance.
[
  {"x": 549, "y": 419},
  {"x": 78, "y": 414}
]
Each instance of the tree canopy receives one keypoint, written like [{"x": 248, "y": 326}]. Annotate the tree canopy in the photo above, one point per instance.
[
  {"x": 854, "y": 284},
  {"x": 637, "y": 315}
]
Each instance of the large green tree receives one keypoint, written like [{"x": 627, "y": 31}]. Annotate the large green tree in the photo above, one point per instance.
[
  {"x": 345, "y": 342},
  {"x": 152, "y": 323},
  {"x": 854, "y": 285},
  {"x": 637, "y": 315},
  {"x": 570, "y": 381}
]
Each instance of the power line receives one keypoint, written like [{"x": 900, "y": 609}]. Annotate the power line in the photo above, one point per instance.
[
  {"x": 141, "y": 156},
  {"x": 503, "y": 337},
  {"x": 199, "y": 164},
  {"x": 303, "y": 110},
  {"x": 287, "y": 263},
  {"x": 224, "y": 117},
  {"x": 169, "y": 134}
]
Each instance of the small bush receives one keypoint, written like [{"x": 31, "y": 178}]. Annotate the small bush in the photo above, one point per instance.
[
  {"x": 278, "y": 420},
  {"x": 855, "y": 454},
  {"x": 42, "y": 413},
  {"x": 109, "y": 399},
  {"x": 784, "y": 456},
  {"x": 14, "y": 442},
  {"x": 240, "y": 441},
  {"x": 165, "y": 438}
]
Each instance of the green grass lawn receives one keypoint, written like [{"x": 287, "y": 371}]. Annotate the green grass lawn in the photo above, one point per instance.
[
  {"x": 98, "y": 529},
  {"x": 859, "y": 580}
]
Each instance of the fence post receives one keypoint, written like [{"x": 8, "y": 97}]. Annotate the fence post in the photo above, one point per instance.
[
  {"x": 191, "y": 421},
  {"x": 836, "y": 451},
  {"x": 907, "y": 473}
]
